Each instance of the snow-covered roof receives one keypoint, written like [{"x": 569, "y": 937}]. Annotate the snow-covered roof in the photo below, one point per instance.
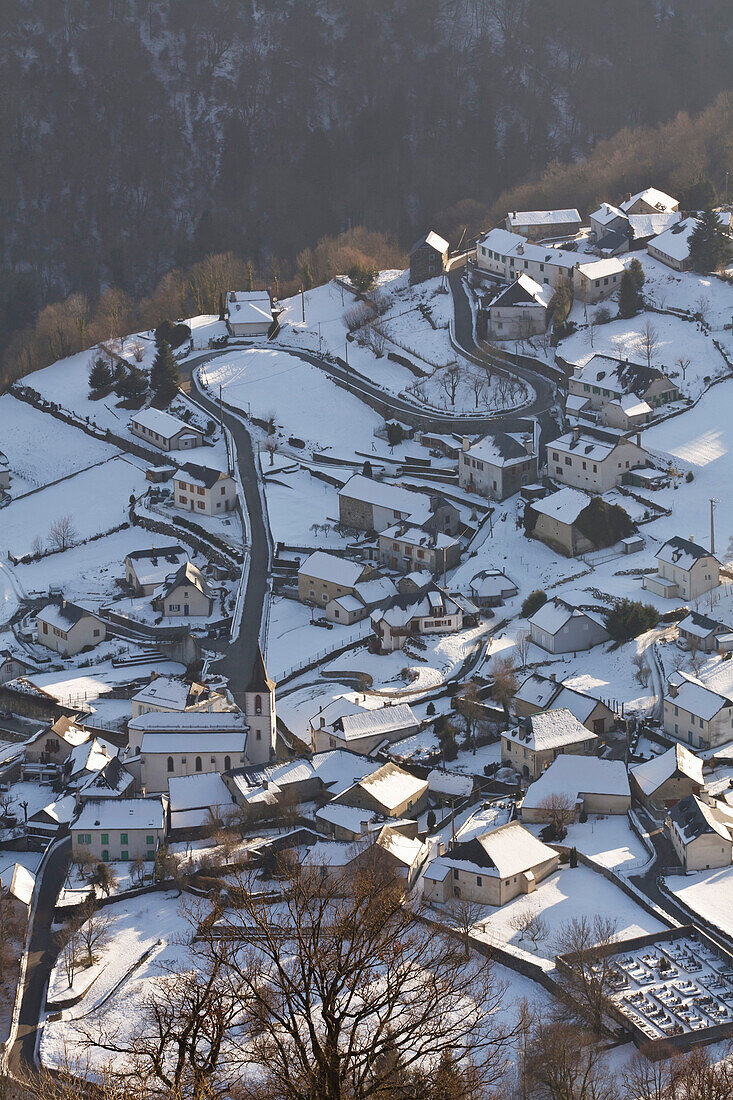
[
  {"x": 492, "y": 582},
  {"x": 512, "y": 244},
  {"x": 574, "y": 776},
  {"x": 653, "y": 197},
  {"x": 170, "y": 692},
  {"x": 204, "y": 476},
  {"x": 91, "y": 756},
  {"x": 249, "y": 306},
  {"x": 617, "y": 375},
  {"x": 202, "y": 742},
  {"x": 524, "y": 291},
  {"x": 121, "y": 813},
  {"x": 607, "y": 213},
  {"x": 329, "y": 853},
  {"x": 577, "y": 702},
  {"x": 509, "y": 850},
  {"x": 189, "y": 792},
  {"x": 22, "y": 884},
  {"x": 699, "y": 700},
  {"x": 434, "y": 240},
  {"x": 347, "y": 817},
  {"x": 153, "y": 566},
  {"x": 693, "y": 817},
  {"x": 384, "y": 720},
  {"x": 675, "y": 242},
  {"x": 649, "y": 225},
  {"x": 375, "y": 589},
  {"x": 574, "y": 402},
  {"x": 556, "y": 613},
  {"x": 404, "y": 849},
  {"x": 653, "y": 773},
  {"x": 594, "y": 446},
  {"x": 632, "y": 405},
  {"x": 543, "y": 217},
  {"x": 437, "y": 870},
  {"x": 390, "y": 786},
  {"x": 64, "y": 616},
  {"x": 700, "y": 626},
  {"x": 382, "y": 494},
  {"x": 331, "y": 567},
  {"x": 162, "y": 423},
  {"x": 417, "y": 536},
  {"x": 537, "y": 690},
  {"x": 502, "y": 448},
  {"x": 550, "y": 730},
  {"x": 564, "y": 506},
  {"x": 190, "y": 721},
  {"x": 450, "y": 783},
  {"x": 61, "y": 810},
  {"x": 683, "y": 553},
  {"x": 601, "y": 269},
  {"x": 347, "y": 603}
]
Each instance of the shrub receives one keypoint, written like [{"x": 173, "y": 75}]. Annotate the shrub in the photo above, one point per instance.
[
  {"x": 689, "y": 476},
  {"x": 533, "y": 602},
  {"x": 573, "y": 857},
  {"x": 362, "y": 277},
  {"x": 602, "y": 316},
  {"x": 430, "y": 709},
  {"x": 431, "y": 820},
  {"x": 629, "y": 618},
  {"x": 173, "y": 334}
]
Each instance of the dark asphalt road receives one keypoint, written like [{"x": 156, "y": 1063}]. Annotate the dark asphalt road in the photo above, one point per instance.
[
  {"x": 239, "y": 657},
  {"x": 41, "y": 957}
]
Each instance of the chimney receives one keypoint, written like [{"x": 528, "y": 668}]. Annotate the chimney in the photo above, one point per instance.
[
  {"x": 264, "y": 784},
  {"x": 465, "y": 443},
  {"x": 638, "y": 439},
  {"x": 576, "y": 434},
  {"x": 704, "y": 795},
  {"x": 364, "y": 827}
]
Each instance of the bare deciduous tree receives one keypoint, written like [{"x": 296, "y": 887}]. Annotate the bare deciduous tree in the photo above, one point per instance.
[
  {"x": 683, "y": 362},
  {"x": 449, "y": 380},
  {"x": 592, "y": 970},
  {"x": 564, "y": 1062},
  {"x": 271, "y": 444},
  {"x": 465, "y": 915},
  {"x": 528, "y": 921},
  {"x": 523, "y": 642},
  {"x": 62, "y": 533},
  {"x": 93, "y": 928},
  {"x": 504, "y": 680},
  {"x": 641, "y": 669},
  {"x": 648, "y": 341},
  {"x": 559, "y": 810}
]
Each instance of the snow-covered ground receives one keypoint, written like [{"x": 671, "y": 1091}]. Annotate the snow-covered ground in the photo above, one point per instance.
[{"x": 709, "y": 893}]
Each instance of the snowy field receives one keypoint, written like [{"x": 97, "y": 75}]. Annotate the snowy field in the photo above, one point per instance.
[
  {"x": 709, "y": 893},
  {"x": 42, "y": 449},
  {"x": 95, "y": 499}
]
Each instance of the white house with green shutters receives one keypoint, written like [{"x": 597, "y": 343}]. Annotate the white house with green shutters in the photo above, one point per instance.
[{"x": 120, "y": 829}]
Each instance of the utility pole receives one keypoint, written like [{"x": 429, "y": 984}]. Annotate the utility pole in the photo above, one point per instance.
[
  {"x": 713, "y": 502},
  {"x": 221, "y": 414},
  {"x": 302, "y": 301}
]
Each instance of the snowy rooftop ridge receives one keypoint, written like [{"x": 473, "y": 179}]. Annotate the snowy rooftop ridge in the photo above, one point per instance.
[
  {"x": 653, "y": 773},
  {"x": 550, "y": 729},
  {"x": 575, "y": 776}
]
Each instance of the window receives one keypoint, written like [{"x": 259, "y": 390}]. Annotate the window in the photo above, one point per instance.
[
  {"x": 200, "y": 504},
  {"x": 85, "y": 838},
  {"x": 455, "y": 872},
  {"x": 150, "y": 853},
  {"x": 105, "y": 838},
  {"x": 149, "y": 840},
  {"x": 568, "y": 460},
  {"x": 170, "y": 763},
  {"x": 227, "y": 763},
  {"x": 222, "y": 491},
  {"x": 124, "y": 854},
  {"x": 96, "y": 633},
  {"x": 258, "y": 704},
  {"x": 123, "y": 838},
  {"x": 258, "y": 736},
  {"x": 198, "y": 763},
  {"x": 200, "y": 492},
  {"x": 479, "y": 880},
  {"x": 105, "y": 856}
]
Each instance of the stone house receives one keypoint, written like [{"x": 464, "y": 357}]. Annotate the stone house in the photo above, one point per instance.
[
  {"x": 428, "y": 258},
  {"x": 603, "y": 379},
  {"x": 369, "y": 505},
  {"x": 649, "y": 201},
  {"x": 146, "y": 570},
  {"x": 585, "y": 784},
  {"x": 203, "y": 490},
  {"x": 120, "y": 829},
  {"x": 701, "y": 833},
  {"x": 532, "y": 746},
  {"x": 389, "y": 791},
  {"x": 249, "y": 312},
  {"x": 406, "y": 546},
  {"x": 498, "y": 465},
  {"x": 538, "y": 225},
  {"x": 627, "y": 413},
  {"x": 593, "y": 459},
  {"x": 363, "y": 730},
  {"x": 173, "y": 695},
  {"x": 665, "y": 780},
  {"x": 184, "y": 594},
  {"x": 54, "y": 744},
  {"x": 672, "y": 247},
  {"x": 539, "y": 693},
  {"x": 323, "y": 577},
  {"x": 698, "y": 632},
  {"x": 556, "y": 522},
  {"x": 11, "y": 666},
  {"x": 491, "y": 868},
  {"x": 433, "y": 612},
  {"x": 165, "y": 431},
  {"x": 68, "y": 629},
  {"x": 559, "y": 627},
  {"x": 520, "y": 310},
  {"x": 695, "y": 714},
  {"x": 684, "y": 569},
  {"x": 607, "y": 219},
  {"x": 596, "y": 279},
  {"x": 507, "y": 255}
]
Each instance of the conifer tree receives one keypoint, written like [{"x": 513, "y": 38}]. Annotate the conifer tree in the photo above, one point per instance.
[
  {"x": 250, "y": 277},
  {"x": 709, "y": 246},
  {"x": 100, "y": 376},
  {"x": 133, "y": 386},
  {"x": 628, "y": 296},
  {"x": 164, "y": 377}
]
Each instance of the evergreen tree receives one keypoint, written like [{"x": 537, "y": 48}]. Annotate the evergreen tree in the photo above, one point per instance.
[
  {"x": 133, "y": 386},
  {"x": 222, "y": 310},
  {"x": 708, "y": 243},
  {"x": 638, "y": 278},
  {"x": 100, "y": 376},
  {"x": 250, "y": 277},
  {"x": 164, "y": 377},
  {"x": 628, "y": 296}
]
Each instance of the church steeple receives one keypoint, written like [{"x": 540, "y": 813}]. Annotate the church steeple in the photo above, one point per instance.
[{"x": 259, "y": 680}]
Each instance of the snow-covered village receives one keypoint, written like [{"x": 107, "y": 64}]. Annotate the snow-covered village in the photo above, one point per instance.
[{"x": 366, "y": 672}]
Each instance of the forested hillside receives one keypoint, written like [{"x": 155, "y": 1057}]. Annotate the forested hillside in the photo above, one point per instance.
[{"x": 140, "y": 134}]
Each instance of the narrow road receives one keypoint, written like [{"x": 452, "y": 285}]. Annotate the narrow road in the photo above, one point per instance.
[
  {"x": 41, "y": 957},
  {"x": 239, "y": 656},
  {"x": 546, "y": 392}
]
